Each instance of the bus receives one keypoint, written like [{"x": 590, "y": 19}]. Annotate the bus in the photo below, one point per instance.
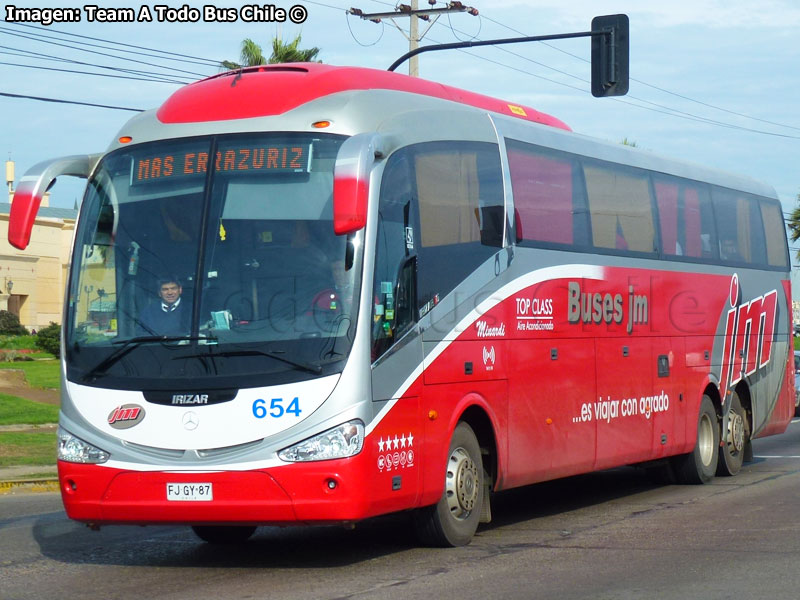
[{"x": 399, "y": 296}]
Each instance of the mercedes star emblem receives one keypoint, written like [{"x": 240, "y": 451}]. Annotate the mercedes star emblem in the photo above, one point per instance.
[{"x": 190, "y": 421}]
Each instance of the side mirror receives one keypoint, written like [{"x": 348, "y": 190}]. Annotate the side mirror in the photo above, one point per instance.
[
  {"x": 32, "y": 188},
  {"x": 351, "y": 182}
]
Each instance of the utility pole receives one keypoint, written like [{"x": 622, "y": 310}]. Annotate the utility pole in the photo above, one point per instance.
[
  {"x": 413, "y": 39},
  {"x": 415, "y": 14}
]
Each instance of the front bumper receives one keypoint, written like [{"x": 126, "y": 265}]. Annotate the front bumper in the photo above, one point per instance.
[{"x": 334, "y": 491}]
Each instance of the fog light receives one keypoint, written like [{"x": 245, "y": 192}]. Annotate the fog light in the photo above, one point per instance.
[{"x": 331, "y": 484}]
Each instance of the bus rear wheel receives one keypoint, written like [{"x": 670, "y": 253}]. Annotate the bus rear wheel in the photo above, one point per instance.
[
  {"x": 735, "y": 437},
  {"x": 454, "y": 519},
  {"x": 700, "y": 465},
  {"x": 224, "y": 534}
]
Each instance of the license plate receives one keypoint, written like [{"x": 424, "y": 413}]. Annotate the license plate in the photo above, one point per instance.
[{"x": 191, "y": 492}]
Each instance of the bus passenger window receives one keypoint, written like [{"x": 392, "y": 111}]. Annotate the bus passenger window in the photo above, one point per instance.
[
  {"x": 773, "y": 232},
  {"x": 620, "y": 208},
  {"x": 542, "y": 182},
  {"x": 741, "y": 235},
  {"x": 685, "y": 217}
]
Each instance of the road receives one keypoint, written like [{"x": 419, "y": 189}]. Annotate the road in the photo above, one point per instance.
[{"x": 610, "y": 535}]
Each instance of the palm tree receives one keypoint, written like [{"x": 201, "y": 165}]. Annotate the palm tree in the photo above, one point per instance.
[
  {"x": 282, "y": 52},
  {"x": 793, "y": 224}
]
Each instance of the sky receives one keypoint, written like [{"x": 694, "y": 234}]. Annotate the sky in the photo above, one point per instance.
[{"x": 713, "y": 82}]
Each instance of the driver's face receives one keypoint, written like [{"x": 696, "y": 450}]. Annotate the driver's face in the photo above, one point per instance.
[{"x": 170, "y": 292}]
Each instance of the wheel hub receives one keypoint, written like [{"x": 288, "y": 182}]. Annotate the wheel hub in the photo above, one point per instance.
[
  {"x": 735, "y": 432},
  {"x": 705, "y": 441},
  {"x": 462, "y": 483}
]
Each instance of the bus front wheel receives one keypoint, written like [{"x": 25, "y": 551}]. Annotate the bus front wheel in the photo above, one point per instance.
[
  {"x": 700, "y": 465},
  {"x": 454, "y": 519}
]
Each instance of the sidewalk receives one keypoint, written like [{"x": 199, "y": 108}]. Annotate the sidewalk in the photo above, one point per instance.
[{"x": 28, "y": 479}]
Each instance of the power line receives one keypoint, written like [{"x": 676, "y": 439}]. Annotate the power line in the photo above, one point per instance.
[
  {"x": 331, "y": 6},
  {"x": 45, "y": 40},
  {"x": 41, "y": 56},
  {"x": 655, "y": 87},
  {"x": 61, "y": 101},
  {"x": 151, "y": 79},
  {"x": 347, "y": 16},
  {"x": 660, "y": 108},
  {"x": 179, "y": 57}
]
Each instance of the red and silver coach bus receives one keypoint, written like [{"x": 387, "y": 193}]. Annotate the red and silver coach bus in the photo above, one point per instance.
[{"x": 399, "y": 296}]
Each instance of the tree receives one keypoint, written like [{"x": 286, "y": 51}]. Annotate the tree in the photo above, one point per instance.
[
  {"x": 282, "y": 52},
  {"x": 10, "y": 325},
  {"x": 49, "y": 339},
  {"x": 793, "y": 224}
]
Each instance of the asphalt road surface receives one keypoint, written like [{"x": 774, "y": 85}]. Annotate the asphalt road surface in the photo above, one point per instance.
[{"x": 610, "y": 535}]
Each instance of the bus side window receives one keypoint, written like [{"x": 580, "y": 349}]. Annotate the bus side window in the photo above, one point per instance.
[
  {"x": 461, "y": 210},
  {"x": 773, "y": 232},
  {"x": 620, "y": 208},
  {"x": 741, "y": 234},
  {"x": 544, "y": 201},
  {"x": 394, "y": 288},
  {"x": 685, "y": 218}
]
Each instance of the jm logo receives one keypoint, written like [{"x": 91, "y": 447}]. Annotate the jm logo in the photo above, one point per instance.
[{"x": 749, "y": 333}]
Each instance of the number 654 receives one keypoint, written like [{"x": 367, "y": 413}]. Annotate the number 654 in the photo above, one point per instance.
[{"x": 277, "y": 408}]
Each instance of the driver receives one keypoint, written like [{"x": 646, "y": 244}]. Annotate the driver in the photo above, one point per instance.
[{"x": 168, "y": 315}]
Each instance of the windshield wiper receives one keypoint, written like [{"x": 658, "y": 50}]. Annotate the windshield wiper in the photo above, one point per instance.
[
  {"x": 277, "y": 355},
  {"x": 131, "y": 343}
]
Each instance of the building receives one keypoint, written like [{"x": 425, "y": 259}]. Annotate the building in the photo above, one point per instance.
[{"x": 32, "y": 282}]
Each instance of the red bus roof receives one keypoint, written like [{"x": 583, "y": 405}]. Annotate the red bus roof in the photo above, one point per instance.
[{"x": 274, "y": 89}]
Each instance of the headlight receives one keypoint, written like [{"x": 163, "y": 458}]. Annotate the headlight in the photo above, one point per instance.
[
  {"x": 340, "y": 442},
  {"x": 74, "y": 449}
]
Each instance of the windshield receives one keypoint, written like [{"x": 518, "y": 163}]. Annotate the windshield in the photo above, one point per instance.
[{"x": 211, "y": 261}]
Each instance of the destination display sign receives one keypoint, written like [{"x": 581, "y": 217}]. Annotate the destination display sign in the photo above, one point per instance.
[{"x": 272, "y": 158}]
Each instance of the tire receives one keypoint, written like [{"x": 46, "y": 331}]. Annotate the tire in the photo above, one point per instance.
[
  {"x": 454, "y": 519},
  {"x": 734, "y": 439},
  {"x": 700, "y": 465},
  {"x": 224, "y": 534}
]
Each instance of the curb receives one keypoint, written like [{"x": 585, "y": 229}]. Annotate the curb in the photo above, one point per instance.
[{"x": 29, "y": 485}]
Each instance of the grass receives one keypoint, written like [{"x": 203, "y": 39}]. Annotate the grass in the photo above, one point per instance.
[
  {"x": 42, "y": 374},
  {"x": 17, "y": 411},
  {"x": 27, "y": 449},
  {"x": 12, "y": 343},
  {"x": 18, "y": 342}
]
